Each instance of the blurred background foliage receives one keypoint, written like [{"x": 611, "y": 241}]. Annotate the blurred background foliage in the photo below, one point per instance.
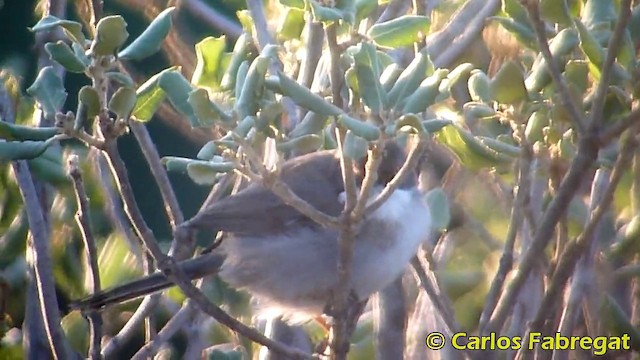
[{"x": 471, "y": 242}]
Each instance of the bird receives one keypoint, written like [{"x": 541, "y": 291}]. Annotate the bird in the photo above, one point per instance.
[{"x": 287, "y": 261}]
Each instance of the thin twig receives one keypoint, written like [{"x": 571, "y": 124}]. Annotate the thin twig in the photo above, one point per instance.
[
  {"x": 574, "y": 249},
  {"x": 150, "y": 152},
  {"x": 578, "y": 171},
  {"x": 584, "y": 273},
  {"x": 147, "y": 305},
  {"x": 339, "y": 333},
  {"x": 91, "y": 251},
  {"x": 172, "y": 271},
  {"x": 438, "y": 298},
  {"x": 273, "y": 182},
  {"x": 565, "y": 95},
  {"x": 409, "y": 165},
  {"x": 506, "y": 260}
]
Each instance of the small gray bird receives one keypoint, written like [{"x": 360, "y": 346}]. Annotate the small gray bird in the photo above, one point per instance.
[{"x": 287, "y": 261}]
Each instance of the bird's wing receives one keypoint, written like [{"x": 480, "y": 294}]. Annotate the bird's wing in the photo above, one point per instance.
[{"x": 316, "y": 178}]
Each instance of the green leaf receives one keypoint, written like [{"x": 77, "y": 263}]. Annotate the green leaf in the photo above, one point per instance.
[
  {"x": 577, "y": 74},
  {"x": 390, "y": 75},
  {"x": 368, "y": 72},
  {"x": 355, "y": 147},
  {"x": 425, "y": 95},
  {"x": 63, "y": 55},
  {"x": 18, "y": 150},
  {"x": 523, "y": 33},
  {"x": 20, "y": 132},
  {"x": 305, "y": 98},
  {"x": 88, "y": 97},
  {"x": 364, "y": 8},
  {"x": 312, "y": 123},
  {"x": 79, "y": 52},
  {"x": 478, "y": 110},
  {"x": 72, "y": 29},
  {"x": 507, "y": 86},
  {"x": 440, "y": 211},
  {"x": 535, "y": 125},
  {"x": 479, "y": 87},
  {"x": 516, "y": 11},
  {"x": 150, "y": 95},
  {"x": 555, "y": 11},
  {"x": 241, "y": 76},
  {"x": 49, "y": 91},
  {"x": 123, "y": 102},
  {"x": 121, "y": 78},
  {"x": 151, "y": 38},
  {"x": 419, "y": 68},
  {"x": 253, "y": 86},
  {"x": 175, "y": 164},
  {"x": 410, "y": 121},
  {"x": 343, "y": 10},
  {"x": 298, "y": 4},
  {"x": 302, "y": 144},
  {"x": 470, "y": 151},
  {"x": 402, "y": 31},
  {"x": 177, "y": 89},
  {"x": 458, "y": 74},
  {"x": 592, "y": 49},
  {"x": 245, "y": 20},
  {"x": 360, "y": 128},
  {"x": 209, "y": 54},
  {"x": 206, "y": 172},
  {"x": 597, "y": 12},
  {"x": 562, "y": 44},
  {"x": 111, "y": 34},
  {"x": 432, "y": 126},
  {"x": 291, "y": 27},
  {"x": 48, "y": 168},
  {"x": 206, "y": 110},
  {"x": 240, "y": 54}
]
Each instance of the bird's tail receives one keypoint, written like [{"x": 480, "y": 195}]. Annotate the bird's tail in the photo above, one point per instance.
[{"x": 196, "y": 268}]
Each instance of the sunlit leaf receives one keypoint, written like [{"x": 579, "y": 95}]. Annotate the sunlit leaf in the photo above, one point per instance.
[
  {"x": 49, "y": 91},
  {"x": 209, "y": 58},
  {"x": 402, "y": 31},
  {"x": 177, "y": 89},
  {"x": 72, "y": 29},
  {"x": 123, "y": 102},
  {"x": 111, "y": 34},
  {"x": 439, "y": 204},
  {"x": 368, "y": 72},
  {"x": 11, "y": 132},
  {"x": 151, "y": 38},
  {"x": 507, "y": 86},
  {"x": 150, "y": 96},
  {"x": 63, "y": 55}
]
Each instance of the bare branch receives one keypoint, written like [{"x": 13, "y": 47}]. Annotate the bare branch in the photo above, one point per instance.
[
  {"x": 91, "y": 251},
  {"x": 515, "y": 222}
]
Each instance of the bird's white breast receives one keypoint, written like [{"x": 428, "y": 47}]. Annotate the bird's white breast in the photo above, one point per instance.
[{"x": 382, "y": 259}]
